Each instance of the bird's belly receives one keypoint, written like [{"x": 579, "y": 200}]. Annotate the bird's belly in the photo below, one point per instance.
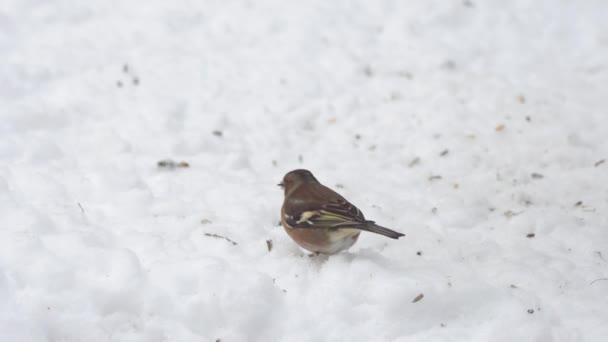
[{"x": 324, "y": 241}]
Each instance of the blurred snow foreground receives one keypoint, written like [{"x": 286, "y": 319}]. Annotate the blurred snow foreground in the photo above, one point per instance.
[{"x": 140, "y": 145}]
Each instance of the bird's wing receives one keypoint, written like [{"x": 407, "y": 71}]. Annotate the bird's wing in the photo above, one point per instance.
[
  {"x": 336, "y": 213},
  {"x": 345, "y": 210}
]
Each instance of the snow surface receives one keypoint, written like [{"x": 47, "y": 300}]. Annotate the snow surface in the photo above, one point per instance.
[{"x": 468, "y": 125}]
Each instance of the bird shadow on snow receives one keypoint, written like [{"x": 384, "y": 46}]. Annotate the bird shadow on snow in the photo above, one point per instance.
[{"x": 363, "y": 255}]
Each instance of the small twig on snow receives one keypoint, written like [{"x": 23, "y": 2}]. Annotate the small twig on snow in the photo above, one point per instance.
[
  {"x": 591, "y": 283},
  {"x": 221, "y": 237}
]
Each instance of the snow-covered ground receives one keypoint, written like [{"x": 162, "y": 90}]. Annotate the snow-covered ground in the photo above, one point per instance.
[{"x": 478, "y": 128}]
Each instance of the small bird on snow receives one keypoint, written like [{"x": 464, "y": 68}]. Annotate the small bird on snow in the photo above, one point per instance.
[{"x": 321, "y": 220}]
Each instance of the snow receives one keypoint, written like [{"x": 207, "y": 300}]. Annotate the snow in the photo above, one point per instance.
[{"x": 467, "y": 125}]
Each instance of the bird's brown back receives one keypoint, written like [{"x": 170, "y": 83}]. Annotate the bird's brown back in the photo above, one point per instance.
[{"x": 316, "y": 196}]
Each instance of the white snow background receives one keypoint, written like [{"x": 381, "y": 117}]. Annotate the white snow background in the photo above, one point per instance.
[{"x": 477, "y": 128}]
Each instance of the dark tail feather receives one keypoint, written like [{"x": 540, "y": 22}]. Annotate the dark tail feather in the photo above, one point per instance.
[{"x": 370, "y": 226}]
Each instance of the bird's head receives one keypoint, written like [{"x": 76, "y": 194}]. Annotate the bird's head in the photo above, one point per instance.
[{"x": 296, "y": 177}]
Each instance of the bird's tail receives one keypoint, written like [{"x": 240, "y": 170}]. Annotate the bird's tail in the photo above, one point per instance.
[{"x": 370, "y": 226}]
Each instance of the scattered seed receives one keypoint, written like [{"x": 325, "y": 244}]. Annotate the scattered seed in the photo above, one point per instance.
[
  {"x": 513, "y": 286},
  {"x": 125, "y": 68},
  {"x": 521, "y": 99},
  {"x": 444, "y": 153},
  {"x": 456, "y": 186},
  {"x": 435, "y": 177},
  {"x": 530, "y": 311},
  {"x": 119, "y": 84},
  {"x": 166, "y": 163},
  {"x": 368, "y": 71},
  {"x": 599, "y": 254},
  {"x": 414, "y": 162},
  {"x": 419, "y": 253},
  {"x": 339, "y": 186},
  {"x": 274, "y": 163},
  {"x": 509, "y": 213},
  {"x": 530, "y": 235},
  {"x": 300, "y": 158},
  {"x": 269, "y": 245},
  {"x": 358, "y": 136},
  {"x": 218, "y": 133},
  {"x": 528, "y": 118},
  {"x": 135, "y": 81},
  {"x": 372, "y": 148},
  {"x": 578, "y": 204},
  {"x": 500, "y": 128},
  {"x": 206, "y": 221},
  {"x": 600, "y": 162},
  {"x": 170, "y": 164},
  {"x": 537, "y": 175},
  {"x": 434, "y": 210},
  {"x": 418, "y": 298}
]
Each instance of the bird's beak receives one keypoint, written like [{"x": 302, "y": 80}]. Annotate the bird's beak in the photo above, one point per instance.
[{"x": 282, "y": 185}]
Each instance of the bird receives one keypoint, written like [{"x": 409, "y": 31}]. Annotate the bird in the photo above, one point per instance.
[{"x": 319, "y": 219}]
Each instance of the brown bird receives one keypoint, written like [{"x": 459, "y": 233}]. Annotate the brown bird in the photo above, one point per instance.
[{"x": 321, "y": 220}]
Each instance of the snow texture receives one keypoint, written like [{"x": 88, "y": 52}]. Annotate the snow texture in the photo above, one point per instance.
[{"x": 477, "y": 128}]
